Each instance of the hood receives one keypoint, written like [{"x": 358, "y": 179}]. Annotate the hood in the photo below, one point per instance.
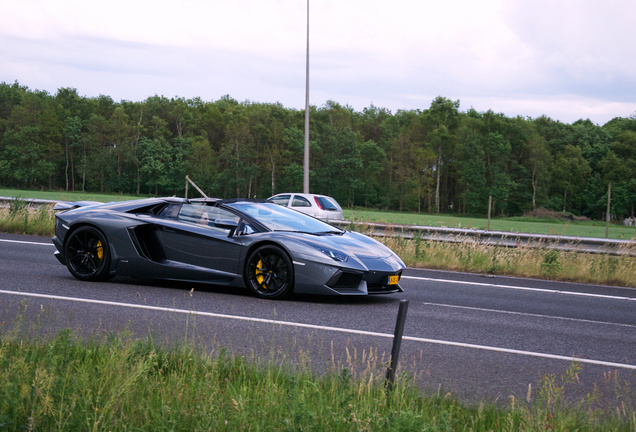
[{"x": 364, "y": 250}]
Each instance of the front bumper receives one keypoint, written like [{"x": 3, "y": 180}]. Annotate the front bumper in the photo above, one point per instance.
[{"x": 342, "y": 281}]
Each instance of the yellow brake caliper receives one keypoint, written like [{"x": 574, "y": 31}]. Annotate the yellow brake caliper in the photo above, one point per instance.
[
  {"x": 100, "y": 250},
  {"x": 259, "y": 274}
]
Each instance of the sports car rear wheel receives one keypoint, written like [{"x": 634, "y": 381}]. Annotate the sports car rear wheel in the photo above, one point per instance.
[
  {"x": 269, "y": 272},
  {"x": 87, "y": 254}
]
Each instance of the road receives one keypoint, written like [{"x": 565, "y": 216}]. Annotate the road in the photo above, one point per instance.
[{"x": 468, "y": 335}]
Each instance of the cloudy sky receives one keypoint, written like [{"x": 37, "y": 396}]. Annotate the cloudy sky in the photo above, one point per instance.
[{"x": 567, "y": 59}]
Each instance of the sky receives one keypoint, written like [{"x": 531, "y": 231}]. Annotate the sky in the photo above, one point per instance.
[{"x": 565, "y": 59}]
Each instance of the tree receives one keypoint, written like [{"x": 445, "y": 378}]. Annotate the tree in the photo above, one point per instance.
[
  {"x": 72, "y": 143},
  {"x": 155, "y": 158},
  {"x": 122, "y": 135},
  {"x": 202, "y": 164},
  {"x": 472, "y": 160},
  {"x": 292, "y": 166},
  {"x": 569, "y": 171},
  {"x": 441, "y": 120},
  {"x": 98, "y": 148},
  {"x": 21, "y": 160},
  {"x": 372, "y": 173},
  {"x": 537, "y": 160}
]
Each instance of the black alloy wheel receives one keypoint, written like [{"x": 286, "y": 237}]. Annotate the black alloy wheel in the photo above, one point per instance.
[
  {"x": 87, "y": 254},
  {"x": 269, "y": 273}
]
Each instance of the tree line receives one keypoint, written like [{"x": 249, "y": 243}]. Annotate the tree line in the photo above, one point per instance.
[{"x": 436, "y": 159}]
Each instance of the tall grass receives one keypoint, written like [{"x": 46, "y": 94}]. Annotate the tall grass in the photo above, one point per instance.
[
  {"x": 117, "y": 383},
  {"x": 20, "y": 218}
]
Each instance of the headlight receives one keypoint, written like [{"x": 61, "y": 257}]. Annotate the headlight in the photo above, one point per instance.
[{"x": 334, "y": 254}]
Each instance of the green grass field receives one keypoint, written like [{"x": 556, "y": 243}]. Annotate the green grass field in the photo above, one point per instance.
[{"x": 65, "y": 196}]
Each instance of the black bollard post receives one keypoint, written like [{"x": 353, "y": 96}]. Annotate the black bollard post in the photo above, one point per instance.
[{"x": 397, "y": 342}]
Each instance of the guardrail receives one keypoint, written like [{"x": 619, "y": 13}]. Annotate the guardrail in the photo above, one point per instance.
[
  {"x": 29, "y": 201},
  {"x": 495, "y": 238},
  {"x": 456, "y": 235}
]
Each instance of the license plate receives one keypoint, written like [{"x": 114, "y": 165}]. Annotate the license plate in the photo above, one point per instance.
[{"x": 393, "y": 280}]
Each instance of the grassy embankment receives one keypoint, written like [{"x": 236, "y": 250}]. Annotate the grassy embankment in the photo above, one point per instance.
[
  {"x": 467, "y": 255},
  {"x": 118, "y": 383}
]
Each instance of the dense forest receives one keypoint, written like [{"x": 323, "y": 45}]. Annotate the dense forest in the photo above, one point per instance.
[{"x": 436, "y": 159}]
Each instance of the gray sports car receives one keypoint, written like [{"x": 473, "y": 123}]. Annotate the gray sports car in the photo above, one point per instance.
[{"x": 271, "y": 249}]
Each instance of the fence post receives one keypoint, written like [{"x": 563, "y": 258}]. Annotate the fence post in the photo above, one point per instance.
[
  {"x": 607, "y": 215},
  {"x": 489, "y": 207},
  {"x": 397, "y": 342}
]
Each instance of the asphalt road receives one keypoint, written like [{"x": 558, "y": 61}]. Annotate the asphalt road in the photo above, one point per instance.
[{"x": 468, "y": 335}]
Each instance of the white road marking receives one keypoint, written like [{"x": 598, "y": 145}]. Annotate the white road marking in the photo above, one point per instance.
[
  {"x": 512, "y": 287},
  {"x": 552, "y": 317},
  {"x": 325, "y": 328},
  {"x": 26, "y": 242}
]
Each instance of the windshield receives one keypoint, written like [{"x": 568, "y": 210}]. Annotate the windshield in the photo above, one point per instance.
[{"x": 278, "y": 218}]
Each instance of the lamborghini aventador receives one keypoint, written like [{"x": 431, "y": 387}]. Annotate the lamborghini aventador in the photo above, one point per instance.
[{"x": 272, "y": 250}]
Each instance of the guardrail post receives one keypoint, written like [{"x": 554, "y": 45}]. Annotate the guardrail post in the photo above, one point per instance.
[{"x": 397, "y": 342}]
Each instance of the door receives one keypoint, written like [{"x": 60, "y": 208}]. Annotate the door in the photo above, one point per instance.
[{"x": 194, "y": 242}]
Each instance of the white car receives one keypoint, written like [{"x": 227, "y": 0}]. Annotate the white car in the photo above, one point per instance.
[{"x": 318, "y": 206}]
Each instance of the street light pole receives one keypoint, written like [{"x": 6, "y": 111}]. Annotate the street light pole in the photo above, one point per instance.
[{"x": 306, "y": 165}]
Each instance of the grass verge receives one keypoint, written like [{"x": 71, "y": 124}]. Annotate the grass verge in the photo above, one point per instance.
[
  {"x": 117, "y": 383},
  {"x": 471, "y": 256},
  {"x": 19, "y": 218}
]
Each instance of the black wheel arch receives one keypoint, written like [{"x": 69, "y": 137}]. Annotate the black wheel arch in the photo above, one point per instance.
[
  {"x": 258, "y": 245},
  {"x": 112, "y": 265}
]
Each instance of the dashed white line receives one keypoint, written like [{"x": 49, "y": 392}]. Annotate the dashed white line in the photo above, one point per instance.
[
  {"x": 551, "y": 317},
  {"x": 325, "y": 328},
  {"x": 519, "y": 288},
  {"x": 26, "y": 242}
]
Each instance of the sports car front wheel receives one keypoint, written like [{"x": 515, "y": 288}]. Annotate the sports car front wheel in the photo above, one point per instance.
[
  {"x": 87, "y": 254},
  {"x": 269, "y": 272}
]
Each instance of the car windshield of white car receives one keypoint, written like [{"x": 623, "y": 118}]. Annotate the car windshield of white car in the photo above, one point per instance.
[{"x": 277, "y": 218}]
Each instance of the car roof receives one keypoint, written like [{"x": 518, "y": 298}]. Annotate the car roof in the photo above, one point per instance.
[{"x": 301, "y": 194}]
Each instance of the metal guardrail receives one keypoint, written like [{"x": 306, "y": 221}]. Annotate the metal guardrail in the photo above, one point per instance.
[
  {"x": 495, "y": 238},
  {"x": 29, "y": 201},
  {"x": 456, "y": 235}
]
